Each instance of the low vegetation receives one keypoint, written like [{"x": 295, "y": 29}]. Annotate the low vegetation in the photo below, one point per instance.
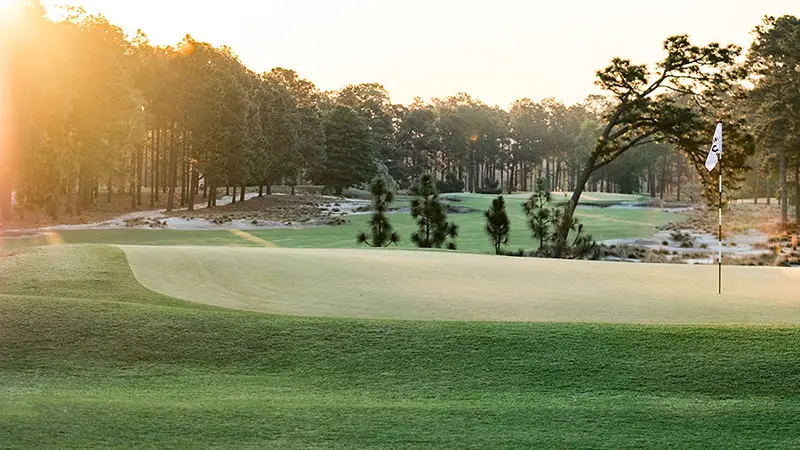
[
  {"x": 381, "y": 232},
  {"x": 544, "y": 222},
  {"x": 497, "y": 224},
  {"x": 433, "y": 229}
]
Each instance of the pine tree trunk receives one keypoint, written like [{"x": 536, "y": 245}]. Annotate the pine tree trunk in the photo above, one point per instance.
[
  {"x": 769, "y": 191},
  {"x": 110, "y": 187},
  {"x": 169, "y": 136},
  {"x": 233, "y": 198},
  {"x": 663, "y": 177},
  {"x": 68, "y": 193},
  {"x": 139, "y": 173},
  {"x": 81, "y": 190},
  {"x": 79, "y": 196},
  {"x": 157, "y": 164},
  {"x": 269, "y": 189},
  {"x": 241, "y": 194},
  {"x": 6, "y": 188},
  {"x": 571, "y": 182},
  {"x": 5, "y": 200},
  {"x": 54, "y": 204},
  {"x": 652, "y": 180},
  {"x": 192, "y": 186},
  {"x": 548, "y": 176},
  {"x": 185, "y": 176},
  {"x": 184, "y": 184},
  {"x": 152, "y": 168},
  {"x": 562, "y": 233},
  {"x": 526, "y": 176},
  {"x": 784, "y": 189},
  {"x": 132, "y": 182},
  {"x": 797, "y": 192},
  {"x": 755, "y": 188},
  {"x": 172, "y": 169},
  {"x": 501, "y": 179},
  {"x": 559, "y": 176},
  {"x": 260, "y": 190}
]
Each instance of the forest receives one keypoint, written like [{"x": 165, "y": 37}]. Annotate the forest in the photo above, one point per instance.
[{"x": 97, "y": 112}]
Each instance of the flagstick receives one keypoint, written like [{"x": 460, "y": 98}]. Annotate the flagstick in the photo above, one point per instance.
[{"x": 719, "y": 281}]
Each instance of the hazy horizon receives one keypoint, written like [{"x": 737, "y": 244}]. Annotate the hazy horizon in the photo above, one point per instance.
[{"x": 497, "y": 52}]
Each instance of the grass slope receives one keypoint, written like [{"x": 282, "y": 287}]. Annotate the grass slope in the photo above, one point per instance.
[
  {"x": 442, "y": 285},
  {"x": 91, "y": 359}
]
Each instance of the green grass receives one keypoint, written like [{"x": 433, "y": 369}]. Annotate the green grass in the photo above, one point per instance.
[
  {"x": 601, "y": 223},
  {"x": 399, "y": 284},
  {"x": 91, "y": 359},
  {"x": 154, "y": 237}
]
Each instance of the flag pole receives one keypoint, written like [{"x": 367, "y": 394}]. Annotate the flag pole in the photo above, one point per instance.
[{"x": 719, "y": 260}]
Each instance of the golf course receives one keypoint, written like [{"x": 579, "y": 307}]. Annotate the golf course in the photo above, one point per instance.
[
  {"x": 203, "y": 345},
  {"x": 372, "y": 225},
  {"x": 602, "y": 222}
]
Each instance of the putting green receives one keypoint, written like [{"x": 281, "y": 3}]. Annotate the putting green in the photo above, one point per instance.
[{"x": 448, "y": 286}]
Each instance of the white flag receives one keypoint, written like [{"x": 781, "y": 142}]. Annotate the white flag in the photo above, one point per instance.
[{"x": 715, "y": 153}]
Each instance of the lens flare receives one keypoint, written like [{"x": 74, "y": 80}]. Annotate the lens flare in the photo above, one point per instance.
[
  {"x": 6, "y": 125},
  {"x": 9, "y": 8}
]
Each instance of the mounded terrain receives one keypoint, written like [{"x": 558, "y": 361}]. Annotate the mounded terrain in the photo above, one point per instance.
[
  {"x": 91, "y": 358},
  {"x": 418, "y": 285}
]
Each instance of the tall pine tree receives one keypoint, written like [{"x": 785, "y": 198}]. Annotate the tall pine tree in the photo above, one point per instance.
[
  {"x": 350, "y": 155},
  {"x": 497, "y": 223}
]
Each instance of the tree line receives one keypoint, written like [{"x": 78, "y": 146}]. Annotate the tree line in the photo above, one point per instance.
[
  {"x": 97, "y": 112},
  {"x": 100, "y": 112}
]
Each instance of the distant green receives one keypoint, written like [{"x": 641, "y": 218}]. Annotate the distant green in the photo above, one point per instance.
[{"x": 602, "y": 223}]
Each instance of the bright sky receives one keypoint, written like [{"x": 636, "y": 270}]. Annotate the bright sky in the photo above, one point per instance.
[{"x": 497, "y": 50}]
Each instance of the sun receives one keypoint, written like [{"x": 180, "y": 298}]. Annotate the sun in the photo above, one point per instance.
[{"x": 9, "y": 10}]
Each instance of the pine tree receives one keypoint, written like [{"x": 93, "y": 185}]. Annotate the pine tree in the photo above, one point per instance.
[
  {"x": 544, "y": 222},
  {"x": 497, "y": 223},
  {"x": 382, "y": 234},
  {"x": 434, "y": 230},
  {"x": 540, "y": 217},
  {"x": 350, "y": 150}
]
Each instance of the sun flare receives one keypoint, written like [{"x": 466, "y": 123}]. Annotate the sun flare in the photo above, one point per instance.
[{"x": 9, "y": 11}]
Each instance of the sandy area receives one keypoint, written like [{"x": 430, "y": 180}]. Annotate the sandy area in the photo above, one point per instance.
[{"x": 180, "y": 219}]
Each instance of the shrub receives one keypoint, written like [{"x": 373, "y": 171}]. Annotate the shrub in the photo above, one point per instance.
[
  {"x": 490, "y": 187},
  {"x": 381, "y": 232},
  {"x": 450, "y": 184},
  {"x": 497, "y": 223},
  {"x": 434, "y": 231}
]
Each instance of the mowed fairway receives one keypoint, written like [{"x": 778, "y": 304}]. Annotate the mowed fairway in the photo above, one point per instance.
[
  {"x": 601, "y": 223},
  {"x": 400, "y": 284},
  {"x": 91, "y": 359}
]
